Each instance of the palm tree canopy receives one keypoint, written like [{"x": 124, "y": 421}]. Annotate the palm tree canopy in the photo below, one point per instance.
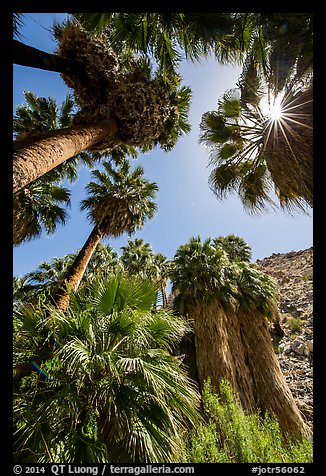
[
  {"x": 198, "y": 270},
  {"x": 202, "y": 271},
  {"x": 112, "y": 391},
  {"x": 167, "y": 37},
  {"x": 235, "y": 247},
  {"x": 37, "y": 208},
  {"x": 253, "y": 154},
  {"x": 120, "y": 200},
  {"x": 137, "y": 257},
  {"x": 151, "y": 109}
]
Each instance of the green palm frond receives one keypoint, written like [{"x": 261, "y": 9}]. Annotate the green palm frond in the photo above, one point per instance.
[
  {"x": 94, "y": 22},
  {"x": 115, "y": 387},
  {"x": 236, "y": 247},
  {"x": 121, "y": 198},
  {"x": 257, "y": 290},
  {"x": 168, "y": 37},
  {"x": 219, "y": 269},
  {"x": 18, "y": 24},
  {"x": 37, "y": 208}
]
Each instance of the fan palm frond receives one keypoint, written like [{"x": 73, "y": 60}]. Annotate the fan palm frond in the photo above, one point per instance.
[{"x": 140, "y": 398}]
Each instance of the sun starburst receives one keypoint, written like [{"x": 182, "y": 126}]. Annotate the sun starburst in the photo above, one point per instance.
[{"x": 288, "y": 143}]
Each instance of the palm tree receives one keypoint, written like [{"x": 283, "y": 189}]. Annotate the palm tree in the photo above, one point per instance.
[
  {"x": 38, "y": 206},
  {"x": 253, "y": 152},
  {"x": 112, "y": 392},
  {"x": 162, "y": 268},
  {"x": 230, "y": 305},
  {"x": 120, "y": 103},
  {"x": 139, "y": 259},
  {"x": 119, "y": 202},
  {"x": 235, "y": 247}
]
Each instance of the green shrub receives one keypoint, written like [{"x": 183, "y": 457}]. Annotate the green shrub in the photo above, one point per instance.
[
  {"x": 295, "y": 324},
  {"x": 232, "y": 436}
]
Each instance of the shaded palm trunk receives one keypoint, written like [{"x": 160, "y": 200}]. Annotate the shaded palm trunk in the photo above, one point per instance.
[
  {"x": 33, "y": 157},
  {"x": 288, "y": 149},
  {"x": 163, "y": 292},
  {"x": 25, "y": 55},
  {"x": 237, "y": 345},
  {"x": 270, "y": 388},
  {"x": 77, "y": 269}
]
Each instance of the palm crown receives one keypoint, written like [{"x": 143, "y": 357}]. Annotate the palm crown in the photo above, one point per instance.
[
  {"x": 120, "y": 200},
  {"x": 202, "y": 271},
  {"x": 254, "y": 155}
]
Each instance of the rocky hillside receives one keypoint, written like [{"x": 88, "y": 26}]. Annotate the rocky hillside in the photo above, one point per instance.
[{"x": 294, "y": 273}]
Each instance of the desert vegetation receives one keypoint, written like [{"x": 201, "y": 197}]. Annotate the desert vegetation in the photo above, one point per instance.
[{"x": 133, "y": 356}]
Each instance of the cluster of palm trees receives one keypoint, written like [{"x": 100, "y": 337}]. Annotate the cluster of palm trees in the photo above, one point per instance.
[{"x": 99, "y": 371}]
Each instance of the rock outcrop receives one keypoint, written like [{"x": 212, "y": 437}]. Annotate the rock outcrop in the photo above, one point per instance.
[{"x": 294, "y": 274}]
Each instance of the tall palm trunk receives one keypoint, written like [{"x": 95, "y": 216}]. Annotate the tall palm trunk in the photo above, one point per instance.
[
  {"x": 163, "y": 292},
  {"x": 25, "y": 55},
  {"x": 236, "y": 345},
  {"x": 77, "y": 269},
  {"x": 270, "y": 388},
  {"x": 62, "y": 297},
  {"x": 35, "y": 157}
]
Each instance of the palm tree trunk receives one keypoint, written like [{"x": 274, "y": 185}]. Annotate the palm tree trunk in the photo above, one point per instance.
[
  {"x": 163, "y": 292},
  {"x": 237, "y": 346},
  {"x": 270, "y": 388},
  {"x": 25, "y": 55},
  {"x": 35, "y": 157},
  {"x": 219, "y": 350},
  {"x": 77, "y": 269},
  {"x": 62, "y": 297}
]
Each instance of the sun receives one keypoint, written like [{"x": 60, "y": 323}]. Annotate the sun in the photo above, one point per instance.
[
  {"x": 273, "y": 108},
  {"x": 276, "y": 109}
]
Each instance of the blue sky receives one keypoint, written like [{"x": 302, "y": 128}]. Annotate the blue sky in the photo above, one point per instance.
[{"x": 186, "y": 206}]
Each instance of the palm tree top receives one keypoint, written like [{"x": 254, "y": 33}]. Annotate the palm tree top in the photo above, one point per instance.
[
  {"x": 204, "y": 270},
  {"x": 167, "y": 37},
  {"x": 120, "y": 200},
  {"x": 150, "y": 109}
]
